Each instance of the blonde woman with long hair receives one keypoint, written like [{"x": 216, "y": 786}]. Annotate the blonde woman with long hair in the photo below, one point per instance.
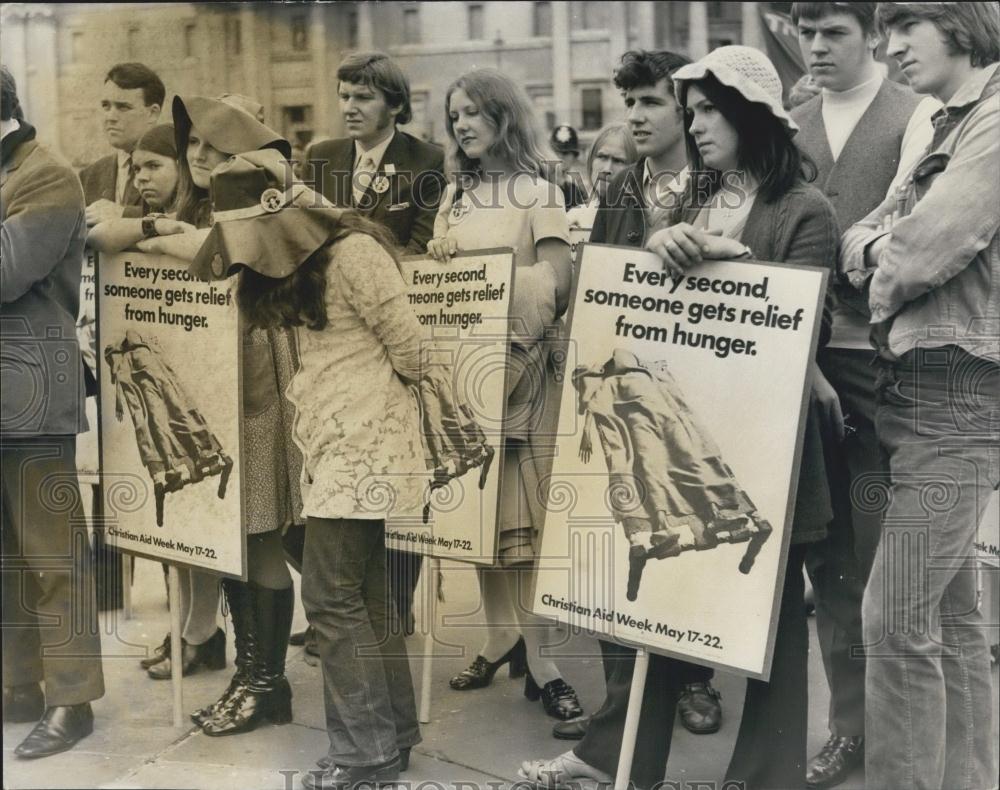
[{"x": 505, "y": 193}]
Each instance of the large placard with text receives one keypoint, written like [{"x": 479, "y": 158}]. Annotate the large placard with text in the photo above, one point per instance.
[
  {"x": 681, "y": 426},
  {"x": 464, "y": 305},
  {"x": 169, "y": 350}
]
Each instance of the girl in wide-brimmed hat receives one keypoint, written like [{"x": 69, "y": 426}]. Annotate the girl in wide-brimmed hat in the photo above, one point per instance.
[
  {"x": 331, "y": 276},
  {"x": 208, "y": 132}
]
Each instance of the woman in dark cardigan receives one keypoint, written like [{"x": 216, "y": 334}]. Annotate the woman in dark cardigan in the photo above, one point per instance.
[{"x": 747, "y": 197}]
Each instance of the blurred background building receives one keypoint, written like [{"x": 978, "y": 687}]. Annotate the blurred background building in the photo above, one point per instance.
[{"x": 285, "y": 54}]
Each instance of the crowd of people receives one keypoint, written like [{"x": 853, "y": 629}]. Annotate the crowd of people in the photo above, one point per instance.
[{"x": 894, "y": 188}]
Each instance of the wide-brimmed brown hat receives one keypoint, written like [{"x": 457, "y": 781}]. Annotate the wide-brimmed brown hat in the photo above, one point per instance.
[
  {"x": 262, "y": 218},
  {"x": 224, "y": 125}
]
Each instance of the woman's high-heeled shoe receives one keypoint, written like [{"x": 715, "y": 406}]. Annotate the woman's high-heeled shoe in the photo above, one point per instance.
[
  {"x": 480, "y": 673},
  {"x": 558, "y": 698},
  {"x": 210, "y": 654}
]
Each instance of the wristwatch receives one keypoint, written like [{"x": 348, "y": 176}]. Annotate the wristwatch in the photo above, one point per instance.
[{"x": 149, "y": 225}]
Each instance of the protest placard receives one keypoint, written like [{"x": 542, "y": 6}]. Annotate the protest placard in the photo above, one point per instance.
[
  {"x": 678, "y": 449},
  {"x": 464, "y": 305},
  {"x": 169, "y": 350}
]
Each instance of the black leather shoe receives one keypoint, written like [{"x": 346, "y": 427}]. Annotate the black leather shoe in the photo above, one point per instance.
[
  {"x": 61, "y": 727},
  {"x": 325, "y": 762},
  {"x": 307, "y": 638},
  {"x": 558, "y": 698},
  {"x": 701, "y": 712},
  {"x": 341, "y": 777},
  {"x": 24, "y": 702},
  {"x": 572, "y": 730},
  {"x": 835, "y": 761},
  {"x": 160, "y": 653},
  {"x": 299, "y": 638},
  {"x": 210, "y": 654},
  {"x": 480, "y": 673}
]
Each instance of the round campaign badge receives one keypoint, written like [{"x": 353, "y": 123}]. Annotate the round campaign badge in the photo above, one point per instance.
[
  {"x": 218, "y": 266},
  {"x": 271, "y": 200},
  {"x": 458, "y": 211},
  {"x": 381, "y": 184}
]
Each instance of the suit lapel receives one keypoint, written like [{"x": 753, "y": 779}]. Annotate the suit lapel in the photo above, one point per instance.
[
  {"x": 110, "y": 179},
  {"x": 632, "y": 230},
  {"x": 342, "y": 173}
]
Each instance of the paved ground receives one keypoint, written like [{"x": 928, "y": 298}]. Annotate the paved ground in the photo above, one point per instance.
[{"x": 476, "y": 737}]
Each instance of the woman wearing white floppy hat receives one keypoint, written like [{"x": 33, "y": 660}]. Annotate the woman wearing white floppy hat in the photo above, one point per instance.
[{"x": 747, "y": 197}]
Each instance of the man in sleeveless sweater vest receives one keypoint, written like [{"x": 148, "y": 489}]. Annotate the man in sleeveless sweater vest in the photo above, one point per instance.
[{"x": 860, "y": 130}]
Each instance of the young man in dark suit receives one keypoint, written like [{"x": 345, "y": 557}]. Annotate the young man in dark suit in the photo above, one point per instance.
[
  {"x": 50, "y": 628},
  {"x": 130, "y": 103},
  {"x": 386, "y": 174},
  {"x": 860, "y": 130},
  {"x": 394, "y": 179}
]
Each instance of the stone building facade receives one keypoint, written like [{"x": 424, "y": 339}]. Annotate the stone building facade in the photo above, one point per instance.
[{"x": 285, "y": 54}]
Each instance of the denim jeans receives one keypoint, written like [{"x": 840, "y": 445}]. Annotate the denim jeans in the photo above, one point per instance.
[
  {"x": 368, "y": 692},
  {"x": 929, "y": 702}
]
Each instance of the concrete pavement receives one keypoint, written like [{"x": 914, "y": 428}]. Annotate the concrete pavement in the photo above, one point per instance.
[{"x": 476, "y": 737}]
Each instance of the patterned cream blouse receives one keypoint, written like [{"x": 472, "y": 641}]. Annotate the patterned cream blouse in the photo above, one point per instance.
[{"x": 357, "y": 422}]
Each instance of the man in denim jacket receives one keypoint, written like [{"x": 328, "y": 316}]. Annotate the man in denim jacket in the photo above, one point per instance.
[{"x": 929, "y": 257}]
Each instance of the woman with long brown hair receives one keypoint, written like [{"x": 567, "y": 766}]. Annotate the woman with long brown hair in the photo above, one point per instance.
[
  {"x": 329, "y": 276},
  {"x": 506, "y": 194}
]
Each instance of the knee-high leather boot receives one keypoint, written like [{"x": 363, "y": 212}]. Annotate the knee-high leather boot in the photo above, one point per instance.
[
  {"x": 266, "y": 696},
  {"x": 241, "y": 610}
]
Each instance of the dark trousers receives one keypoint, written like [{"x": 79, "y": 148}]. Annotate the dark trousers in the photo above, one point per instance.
[
  {"x": 402, "y": 567},
  {"x": 368, "y": 692},
  {"x": 770, "y": 751},
  {"x": 107, "y": 561},
  {"x": 50, "y": 628},
  {"x": 839, "y": 566},
  {"x": 666, "y": 677}
]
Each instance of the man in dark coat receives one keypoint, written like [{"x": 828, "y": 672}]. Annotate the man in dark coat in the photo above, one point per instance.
[{"x": 50, "y": 629}]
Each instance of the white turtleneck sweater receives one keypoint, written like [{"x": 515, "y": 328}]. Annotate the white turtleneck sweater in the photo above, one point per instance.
[{"x": 843, "y": 109}]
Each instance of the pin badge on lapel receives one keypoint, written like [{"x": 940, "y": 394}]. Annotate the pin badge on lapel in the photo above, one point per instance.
[
  {"x": 380, "y": 184},
  {"x": 271, "y": 200}
]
